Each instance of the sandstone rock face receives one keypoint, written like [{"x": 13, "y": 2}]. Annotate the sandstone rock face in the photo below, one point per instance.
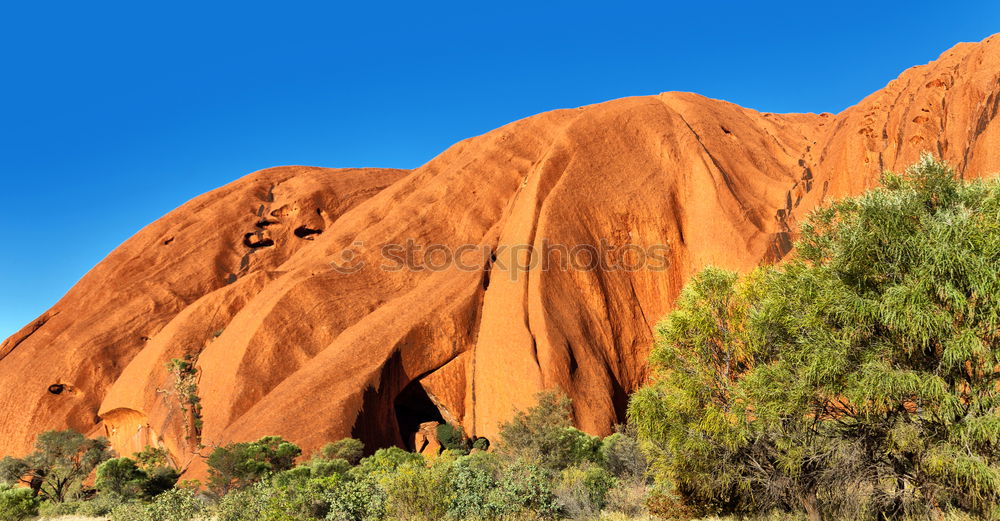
[{"x": 242, "y": 280}]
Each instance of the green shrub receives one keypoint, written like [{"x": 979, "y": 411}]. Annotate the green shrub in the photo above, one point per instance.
[
  {"x": 385, "y": 461},
  {"x": 48, "y": 509},
  {"x": 545, "y": 434},
  {"x": 582, "y": 491},
  {"x": 151, "y": 458},
  {"x": 173, "y": 505},
  {"x": 525, "y": 487},
  {"x": 415, "y": 491},
  {"x": 100, "y": 505},
  {"x": 120, "y": 476},
  {"x": 628, "y": 498},
  {"x": 320, "y": 468},
  {"x": 356, "y": 500},
  {"x": 276, "y": 500},
  {"x": 472, "y": 480},
  {"x": 481, "y": 444},
  {"x": 348, "y": 449},
  {"x": 241, "y": 464},
  {"x": 622, "y": 456},
  {"x": 158, "y": 481},
  {"x": 17, "y": 503},
  {"x": 857, "y": 380},
  {"x": 451, "y": 437}
]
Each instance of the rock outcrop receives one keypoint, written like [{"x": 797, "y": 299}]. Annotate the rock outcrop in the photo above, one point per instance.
[{"x": 284, "y": 289}]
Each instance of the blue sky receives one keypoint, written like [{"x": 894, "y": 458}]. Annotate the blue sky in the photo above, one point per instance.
[{"x": 115, "y": 113}]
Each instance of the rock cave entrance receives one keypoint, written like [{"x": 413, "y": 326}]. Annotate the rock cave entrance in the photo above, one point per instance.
[{"x": 413, "y": 406}]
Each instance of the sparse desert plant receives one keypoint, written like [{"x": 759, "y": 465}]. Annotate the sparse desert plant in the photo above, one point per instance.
[
  {"x": 545, "y": 433},
  {"x": 581, "y": 491},
  {"x": 185, "y": 391},
  {"x": 622, "y": 456}
]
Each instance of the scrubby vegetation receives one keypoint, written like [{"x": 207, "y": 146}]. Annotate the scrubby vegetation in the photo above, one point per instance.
[{"x": 858, "y": 380}]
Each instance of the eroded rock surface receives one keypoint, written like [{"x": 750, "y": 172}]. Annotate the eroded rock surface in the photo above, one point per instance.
[{"x": 240, "y": 279}]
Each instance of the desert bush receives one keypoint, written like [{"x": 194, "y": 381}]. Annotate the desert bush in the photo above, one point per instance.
[
  {"x": 348, "y": 449},
  {"x": 319, "y": 468},
  {"x": 472, "y": 480},
  {"x": 622, "y": 456},
  {"x": 173, "y": 505},
  {"x": 451, "y": 437},
  {"x": 17, "y": 504},
  {"x": 581, "y": 492},
  {"x": 152, "y": 458},
  {"x": 289, "y": 495},
  {"x": 356, "y": 500},
  {"x": 158, "y": 481},
  {"x": 628, "y": 498},
  {"x": 525, "y": 487},
  {"x": 415, "y": 491},
  {"x": 120, "y": 476},
  {"x": 385, "y": 462},
  {"x": 858, "y": 380},
  {"x": 545, "y": 434},
  {"x": 97, "y": 506},
  {"x": 240, "y": 464}
]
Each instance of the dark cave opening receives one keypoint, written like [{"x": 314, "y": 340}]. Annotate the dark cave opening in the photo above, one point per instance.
[
  {"x": 304, "y": 232},
  {"x": 413, "y": 406}
]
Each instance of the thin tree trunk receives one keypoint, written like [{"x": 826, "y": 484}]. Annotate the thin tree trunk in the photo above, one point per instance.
[{"x": 808, "y": 502}]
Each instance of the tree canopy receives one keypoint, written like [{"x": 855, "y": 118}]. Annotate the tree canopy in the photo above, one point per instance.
[{"x": 858, "y": 378}]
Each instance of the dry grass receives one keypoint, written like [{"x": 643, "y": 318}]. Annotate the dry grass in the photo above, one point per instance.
[{"x": 72, "y": 518}]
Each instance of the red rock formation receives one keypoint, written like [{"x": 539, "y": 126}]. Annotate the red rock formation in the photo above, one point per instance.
[{"x": 241, "y": 278}]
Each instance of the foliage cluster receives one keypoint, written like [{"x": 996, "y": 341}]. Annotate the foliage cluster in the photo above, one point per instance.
[{"x": 857, "y": 380}]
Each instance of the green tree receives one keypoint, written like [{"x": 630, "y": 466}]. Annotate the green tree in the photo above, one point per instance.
[
  {"x": 240, "y": 464},
  {"x": 862, "y": 374},
  {"x": 59, "y": 464},
  {"x": 120, "y": 476}
]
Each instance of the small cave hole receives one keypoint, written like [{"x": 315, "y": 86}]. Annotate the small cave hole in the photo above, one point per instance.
[
  {"x": 168, "y": 241},
  {"x": 486, "y": 278},
  {"x": 259, "y": 243},
  {"x": 305, "y": 232},
  {"x": 264, "y": 223},
  {"x": 726, "y": 130},
  {"x": 57, "y": 388},
  {"x": 413, "y": 406},
  {"x": 319, "y": 212}
]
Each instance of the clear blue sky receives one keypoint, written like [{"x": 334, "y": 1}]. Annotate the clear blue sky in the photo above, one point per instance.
[{"x": 115, "y": 113}]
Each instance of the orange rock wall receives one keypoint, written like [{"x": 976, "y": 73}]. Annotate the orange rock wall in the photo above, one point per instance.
[{"x": 240, "y": 278}]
